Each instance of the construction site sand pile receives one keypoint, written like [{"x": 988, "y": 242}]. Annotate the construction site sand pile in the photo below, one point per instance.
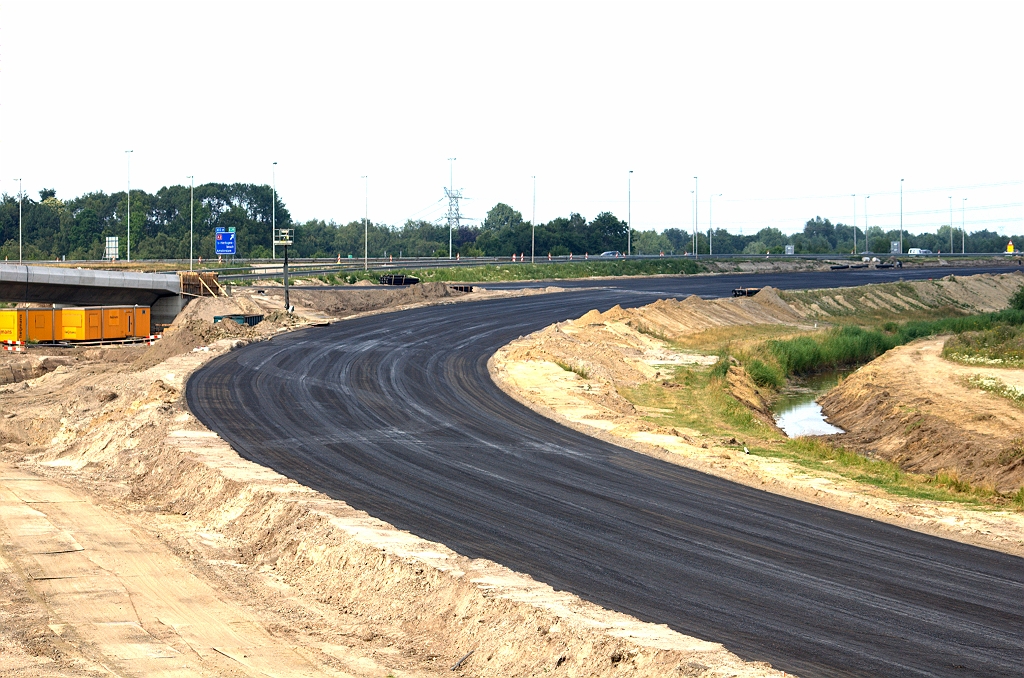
[
  {"x": 983, "y": 293},
  {"x": 623, "y": 346},
  {"x": 914, "y": 408},
  {"x": 346, "y": 302},
  {"x": 194, "y": 328}
]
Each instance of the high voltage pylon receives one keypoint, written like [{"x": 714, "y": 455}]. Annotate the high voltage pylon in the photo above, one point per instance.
[
  {"x": 453, "y": 215},
  {"x": 453, "y": 205}
]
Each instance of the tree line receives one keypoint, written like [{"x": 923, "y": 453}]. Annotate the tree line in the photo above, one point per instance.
[{"x": 77, "y": 229}]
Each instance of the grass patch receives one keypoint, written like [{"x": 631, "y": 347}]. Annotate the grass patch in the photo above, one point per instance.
[
  {"x": 715, "y": 338},
  {"x": 651, "y": 332},
  {"x": 820, "y": 455},
  {"x": 999, "y": 346},
  {"x": 580, "y": 269},
  {"x": 703, "y": 403},
  {"x": 577, "y": 368},
  {"x": 1014, "y": 394},
  {"x": 850, "y": 345},
  {"x": 765, "y": 374}
]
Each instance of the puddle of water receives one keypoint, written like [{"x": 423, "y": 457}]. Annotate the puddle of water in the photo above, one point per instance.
[{"x": 796, "y": 411}]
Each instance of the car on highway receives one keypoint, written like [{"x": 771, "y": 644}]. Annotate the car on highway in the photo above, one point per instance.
[
  {"x": 611, "y": 253},
  {"x": 918, "y": 250}
]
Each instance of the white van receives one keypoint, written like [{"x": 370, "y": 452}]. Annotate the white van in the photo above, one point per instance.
[{"x": 918, "y": 250}]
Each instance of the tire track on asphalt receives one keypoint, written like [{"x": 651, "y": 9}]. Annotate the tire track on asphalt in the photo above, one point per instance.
[{"x": 396, "y": 415}]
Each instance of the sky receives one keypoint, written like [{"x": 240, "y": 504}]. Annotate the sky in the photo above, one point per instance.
[{"x": 782, "y": 110}]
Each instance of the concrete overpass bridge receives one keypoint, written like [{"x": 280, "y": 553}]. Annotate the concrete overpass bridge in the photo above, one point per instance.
[{"x": 88, "y": 287}]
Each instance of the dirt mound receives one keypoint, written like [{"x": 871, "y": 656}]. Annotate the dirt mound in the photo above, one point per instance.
[
  {"x": 916, "y": 409},
  {"x": 743, "y": 388},
  {"x": 981, "y": 293},
  {"x": 350, "y": 301},
  {"x": 205, "y": 308},
  {"x": 188, "y": 333},
  {"x": 16, "y": 368}
]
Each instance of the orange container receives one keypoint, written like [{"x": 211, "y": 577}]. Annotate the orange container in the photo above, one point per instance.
[
  {"x": 44, "y": 324},
  {"x": 105, "y": 322}
]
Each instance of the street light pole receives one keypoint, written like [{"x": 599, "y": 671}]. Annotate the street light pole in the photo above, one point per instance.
[
  {"x": 273, "y": 211},
  {"x": 901, "y": 216},
  {"x": 854, "y": 196},
  {"x": 711, "y": 201},
  {"x": 533, "y": 221},
  {"x": 963, "y": 229},
  {"x": 696, "y": 202},
  {"x": 19, "y": 220},
  {"x": 366, "y": 221},
  {"x": 191, "y": 216},
  {"x": 629, "y": 215},
  {"x": 128, "y": 153},
  {"x": 867, "y": 243}
]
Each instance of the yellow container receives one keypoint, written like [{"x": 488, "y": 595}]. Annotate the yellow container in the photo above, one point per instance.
[
  {"x": 80, "y": 324},
  {"x": 12, "y": 325}
]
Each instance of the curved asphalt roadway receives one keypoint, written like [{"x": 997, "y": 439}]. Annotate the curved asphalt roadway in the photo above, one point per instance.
[{"x": 396, "y": 415}]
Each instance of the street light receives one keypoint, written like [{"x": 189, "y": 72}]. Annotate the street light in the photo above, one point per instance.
[
  {"x": 696, "y": 201},
  {"x": 710, "y": 227},
  {"x": 273, "y": 211},
  {"x": 191, "y": 215},
  {"x": 901, "y": 216},
  {"x": 128, "y": 153},
  {"x": 867, "y": 243},
  {"x": 854, "y": 196},
  {"x": 963, "y": 230},
  {"x": 19, "y": 220},
  {"x": 532, "y": 224},
  {"x": 629, "y": 215},
  {"x": 693, "y": 211},
  {"x": 366, "y": 221}
]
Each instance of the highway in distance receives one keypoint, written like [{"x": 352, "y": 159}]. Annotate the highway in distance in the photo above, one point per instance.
[{"x": 396, "y": 415}]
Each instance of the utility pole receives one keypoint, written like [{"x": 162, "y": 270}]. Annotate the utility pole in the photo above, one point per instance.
[
  {"x": 191, "y": 215},
  {"x": 366, "y": 222},
  {"x": 533, "y": 222},
  {"x": 128, "y": 153},
  {"x": 453, "y": 206}
]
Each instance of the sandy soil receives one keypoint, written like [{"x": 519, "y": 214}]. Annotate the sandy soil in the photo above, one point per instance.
[
  {"x": 972, "y": 294},
  {"x": 616, "y": 349},
  {"x": 913, "y": 407},
  {"x": 133, "y": 541}
]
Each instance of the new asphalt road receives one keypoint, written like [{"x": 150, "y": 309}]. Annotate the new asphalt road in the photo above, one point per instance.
[{"x": 396, "y": 415}]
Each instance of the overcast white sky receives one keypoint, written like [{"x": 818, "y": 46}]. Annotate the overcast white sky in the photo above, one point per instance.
[{"x": 786, "y": 109}]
